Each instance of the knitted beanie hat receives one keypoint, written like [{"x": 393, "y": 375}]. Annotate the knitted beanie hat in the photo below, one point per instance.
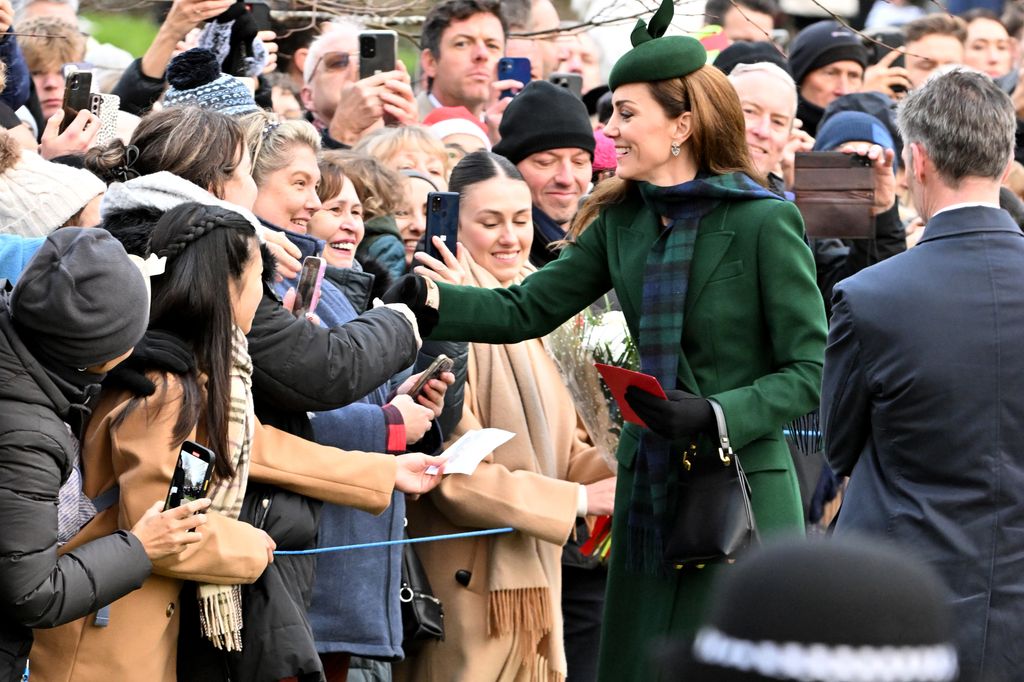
[
  {"x": 445, "y": 121},
  {"x": 821, "y": 44},
  {"x": 196, "y": 80},
  {"x": 746, "y": 52},
  {"x": 36, "y": 196},
  {"x": 544, "y": 116},
  {"x": 80, "y": 301},
  {"x": 852, "y": 126},
  {"x": 831, "y": 611}
]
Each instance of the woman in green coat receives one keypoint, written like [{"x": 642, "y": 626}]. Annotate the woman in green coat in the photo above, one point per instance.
[{"x": 718, "y": 287}]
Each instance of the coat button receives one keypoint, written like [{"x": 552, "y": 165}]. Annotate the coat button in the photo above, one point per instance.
[
  {"x": 462, "y": 577},
  {"x": 170, "y": 610}
]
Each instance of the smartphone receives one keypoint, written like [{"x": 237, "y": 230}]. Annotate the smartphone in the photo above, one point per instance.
[
  {"x": 442, "y": 221},
  {"x": 105, "y": 108},
  {"x": 378, "y": 52},
  {"x": 573, "y": 82},
  {"x": 879, "y": 43},
  {"x": 307, "y": 291},
  {"x": 440, "y": 365},
  {"x": 513, "y": 68},
  {"x": 77, "y": 96},
  {"x": 192, "y": 474}
]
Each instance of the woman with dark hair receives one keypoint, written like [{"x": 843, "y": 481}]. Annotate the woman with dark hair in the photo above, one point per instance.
[
  {"x": 539, "y": 483},
  {"x": 190, "y": 379},
  {"x": 717, "y": 286}
]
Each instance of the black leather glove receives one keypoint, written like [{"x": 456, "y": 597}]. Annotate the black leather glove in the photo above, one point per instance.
[
  {"x": 683, "y": 415},
  {"x": 412, "y": 291}
]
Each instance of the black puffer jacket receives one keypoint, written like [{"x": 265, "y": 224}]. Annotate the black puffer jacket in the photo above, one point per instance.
[{"x": 38, "y": 589}]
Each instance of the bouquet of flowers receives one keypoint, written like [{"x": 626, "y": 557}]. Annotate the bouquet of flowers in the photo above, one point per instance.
[{"x": 598, "y": 334}]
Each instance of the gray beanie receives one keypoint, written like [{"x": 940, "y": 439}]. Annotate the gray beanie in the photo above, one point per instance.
[{"x": 81, "y": 301}]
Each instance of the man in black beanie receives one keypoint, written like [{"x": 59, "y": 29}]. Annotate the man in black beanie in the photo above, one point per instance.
[
  {"x": 546, "y": 133},
  {"x": 827, "y": 61},
  {"x": 77, "y": 311}
]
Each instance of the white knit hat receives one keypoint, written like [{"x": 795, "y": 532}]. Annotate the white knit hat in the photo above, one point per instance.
[{"x": 36, "y": 196}]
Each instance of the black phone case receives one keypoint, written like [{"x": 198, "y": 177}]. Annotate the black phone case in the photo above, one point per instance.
[
  {"x": 835, "y": 193},
  {"x": 442, "y": 221},
  {"x": 77, "y": 96},
  {"x": 179, "y": 480},
  {"x": 378, "y": 52}
]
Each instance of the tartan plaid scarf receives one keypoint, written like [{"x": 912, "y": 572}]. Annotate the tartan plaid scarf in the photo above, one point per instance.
[{"x": 666, "y": 277}]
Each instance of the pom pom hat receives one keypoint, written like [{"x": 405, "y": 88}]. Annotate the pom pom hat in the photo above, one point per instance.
[
  {"x": 655, "y": 56},
  {"x": 196, "y": 80}
]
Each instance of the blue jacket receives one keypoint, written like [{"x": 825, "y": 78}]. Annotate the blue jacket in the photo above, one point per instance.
[
  {"x": 355, "y": 607},
  {"x": 15, "y": 253},
  {"x": 922, "y": 404},
  {"x": 19, "y": 83}
]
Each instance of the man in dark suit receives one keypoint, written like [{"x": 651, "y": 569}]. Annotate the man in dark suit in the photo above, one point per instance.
[{"x": 923, "y": 389}]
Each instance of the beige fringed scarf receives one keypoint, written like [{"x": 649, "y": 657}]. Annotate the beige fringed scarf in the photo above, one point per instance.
[
  {"x": 522, "y": 568},
  {"x": 220, "y": 606}
]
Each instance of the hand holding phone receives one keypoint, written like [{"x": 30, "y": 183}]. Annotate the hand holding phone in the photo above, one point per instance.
[
  {"x": 77, "y": 96},
  {"x": 515, "y": 69},
  {"x": 440, "y": 365},
  {"x": 442, "y": 222},
  {"x": 378, "y": 52},
  {"x": 307, "y": 292},
  {"x": 192, "y": 474}
]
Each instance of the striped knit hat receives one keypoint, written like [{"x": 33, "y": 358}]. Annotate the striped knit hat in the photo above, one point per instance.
[{"x": 196, "y": 80}]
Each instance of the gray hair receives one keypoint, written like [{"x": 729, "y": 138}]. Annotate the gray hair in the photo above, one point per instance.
[
  {"x": 316, "y": 48},
  {"x": 771, "y": 71},
  {"x": 964, "y": 121}
]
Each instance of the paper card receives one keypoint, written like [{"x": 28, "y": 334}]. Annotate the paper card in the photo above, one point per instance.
[
  {"x": 619, "y": 379},
  {"x": 467, "y": 452}
]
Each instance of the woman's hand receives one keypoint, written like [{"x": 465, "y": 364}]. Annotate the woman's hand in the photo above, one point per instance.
[
  {"x": 268, "y": 39},
  {"x": 678, "y": 415},
  {"x": 417, "y": 418},
  {"x": 432, "y": 395},
  {"x": 601, "y": 497},
  {"x": 285, "y": 253},
  {"x": 885, "y": 180},
  {"x": 271, "y": 545},
  {"x": 76, "y": 138},
  {"x": 448, "y": 270},
  {"x": 165, "y": 533},
  {"x": 887, "y": 79},
  {"x": 412, "y": 476}
]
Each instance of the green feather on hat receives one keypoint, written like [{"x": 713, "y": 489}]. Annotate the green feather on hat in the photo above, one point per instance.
[{"x": 655, "y": 56}]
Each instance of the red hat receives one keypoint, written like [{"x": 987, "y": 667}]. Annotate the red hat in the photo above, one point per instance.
[{"x": 445, "y": 121}]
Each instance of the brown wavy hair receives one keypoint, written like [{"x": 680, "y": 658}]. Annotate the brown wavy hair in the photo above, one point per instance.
[{"x": 717, "y": 139}]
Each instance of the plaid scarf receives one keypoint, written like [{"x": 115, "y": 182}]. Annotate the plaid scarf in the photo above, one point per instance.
[
  {"x": 666, "y": 277},
  {"x": 220, "y": 606}
]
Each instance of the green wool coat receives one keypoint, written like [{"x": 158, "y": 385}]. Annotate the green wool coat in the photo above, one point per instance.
[{"x": 753, "y": 340}]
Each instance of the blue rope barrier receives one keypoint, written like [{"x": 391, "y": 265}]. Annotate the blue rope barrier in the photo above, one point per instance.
[{"x": 389, "y": 543}]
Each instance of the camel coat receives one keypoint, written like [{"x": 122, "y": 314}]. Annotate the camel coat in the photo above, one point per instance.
[
  {"x": 494, "y": 497},
  {"x": 140, "y": 642}
]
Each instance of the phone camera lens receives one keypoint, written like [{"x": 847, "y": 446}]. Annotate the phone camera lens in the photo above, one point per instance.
[{"x": 367, "y": 48}]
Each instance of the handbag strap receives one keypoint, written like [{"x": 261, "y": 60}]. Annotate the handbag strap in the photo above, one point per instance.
[{"x": 725, "y": 451}]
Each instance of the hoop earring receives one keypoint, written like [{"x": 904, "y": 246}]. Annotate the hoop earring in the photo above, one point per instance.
[{"x": 675, "y": 149}]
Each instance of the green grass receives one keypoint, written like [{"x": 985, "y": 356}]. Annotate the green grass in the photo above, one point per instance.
[{"x": 131, "y": 32}]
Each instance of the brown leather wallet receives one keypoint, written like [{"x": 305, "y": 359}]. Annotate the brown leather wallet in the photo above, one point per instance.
[{"x": 835, "y": 193}]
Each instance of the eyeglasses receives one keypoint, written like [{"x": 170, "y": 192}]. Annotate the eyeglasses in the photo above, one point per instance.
[{"x": 333, "y": 62}]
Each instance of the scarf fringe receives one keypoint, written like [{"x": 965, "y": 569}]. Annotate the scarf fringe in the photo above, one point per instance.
[
  {"x": 220, "y": 615},
  {"x": 525, "y": 609}
]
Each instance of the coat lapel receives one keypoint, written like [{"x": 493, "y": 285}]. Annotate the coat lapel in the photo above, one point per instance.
[{"x": 712, "y": 244}]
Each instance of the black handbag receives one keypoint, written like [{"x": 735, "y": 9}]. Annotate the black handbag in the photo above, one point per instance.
[
  {"x": 714, "y": 520},
  {"x": 422, "y": 613}
]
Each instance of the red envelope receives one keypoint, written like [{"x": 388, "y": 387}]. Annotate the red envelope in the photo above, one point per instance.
[{"x": 619, "y": 379}]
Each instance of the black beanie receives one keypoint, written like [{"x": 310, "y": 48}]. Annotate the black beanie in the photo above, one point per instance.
[
  {"x": 80, "y": 301},
  {"x": 822, "y": 44},
  {"x": 544, "y": 116},
  {"x": 746, "y": 52}
]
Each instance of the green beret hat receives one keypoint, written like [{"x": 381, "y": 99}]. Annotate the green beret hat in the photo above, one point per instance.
[{"x": 655, "y": 56}]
